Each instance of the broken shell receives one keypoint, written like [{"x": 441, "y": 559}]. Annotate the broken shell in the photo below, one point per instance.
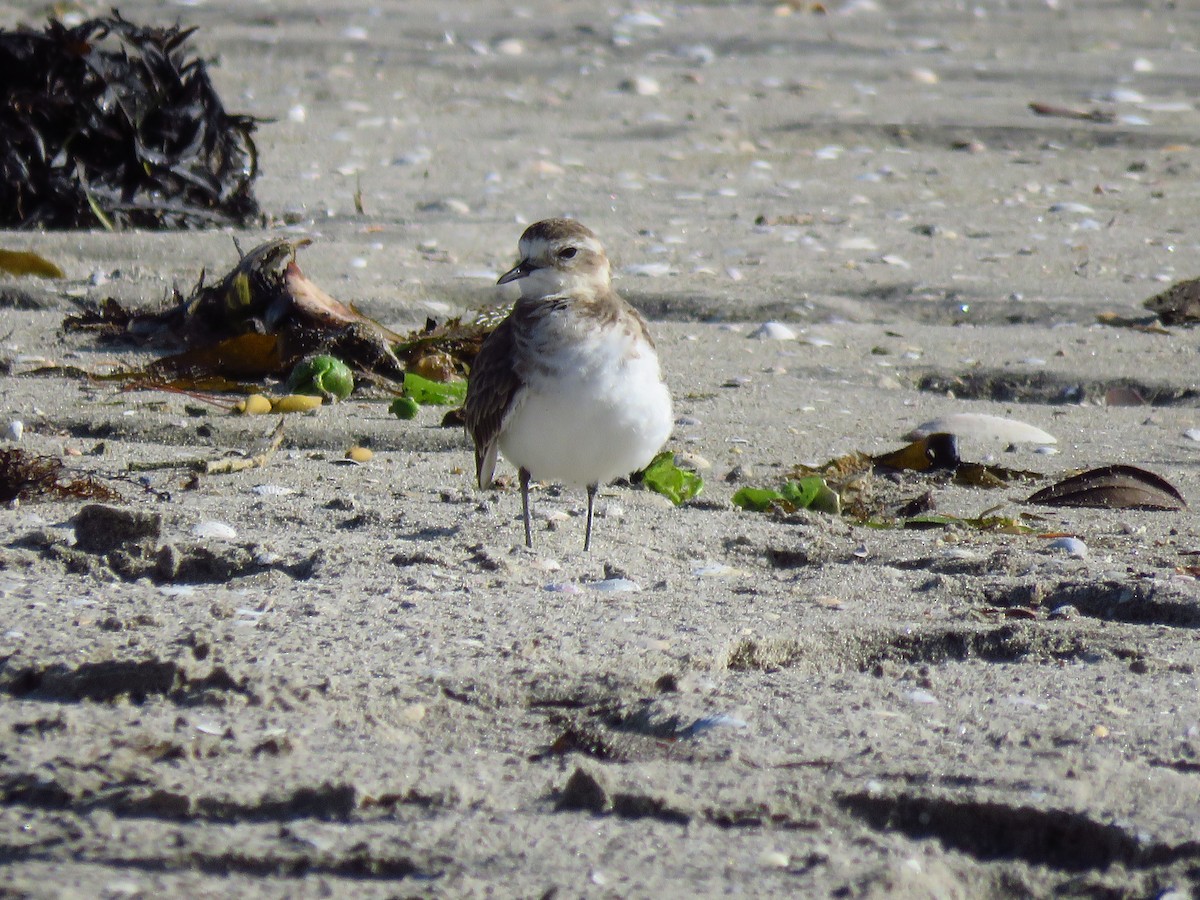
[
  {"x": 773, "y": 331},
  {"x": 614, "y": 585},
  {"x": 213, "y": 530},
  {"x": 979, "y": 425},
  {"x": 272, "y": 490}
]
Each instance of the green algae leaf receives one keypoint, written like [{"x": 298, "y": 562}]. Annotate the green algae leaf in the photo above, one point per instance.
[
  {"x": 810, "y": 492},
  {"x": 674, "y": 483},
  {"x": 985, "y": 522},
  {"x": 756, "y": 499},
  {"x": 434, "y": 393}
]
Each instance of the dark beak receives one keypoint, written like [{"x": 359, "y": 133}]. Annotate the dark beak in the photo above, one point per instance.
[{"x": 520, "y": 270}]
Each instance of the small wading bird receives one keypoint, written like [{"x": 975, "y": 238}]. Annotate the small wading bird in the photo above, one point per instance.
[{"x": 568, "y": 387}]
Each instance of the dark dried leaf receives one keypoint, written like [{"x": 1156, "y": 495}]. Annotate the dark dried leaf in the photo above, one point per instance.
[
  {"x": 934, "y": 451},
  {"x": 109, "y": 319},
  {"x": 1112, "y": 487}
]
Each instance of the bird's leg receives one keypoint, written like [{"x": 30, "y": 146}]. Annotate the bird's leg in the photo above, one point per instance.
[
  {"x": 587, "y": 535},
  {"x": 524, "y": 476}
]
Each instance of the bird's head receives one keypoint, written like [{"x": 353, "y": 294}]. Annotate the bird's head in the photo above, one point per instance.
[{"x": 559, "y": 256}]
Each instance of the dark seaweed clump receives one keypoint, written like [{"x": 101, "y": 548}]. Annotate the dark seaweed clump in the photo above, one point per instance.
[{"x": 109, "y": 123}]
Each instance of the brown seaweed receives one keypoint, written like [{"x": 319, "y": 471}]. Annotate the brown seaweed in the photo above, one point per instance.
[
  {"x": 263, "y": 317},
  {"x": 26, "y": 476},
  {"x": 110, "y": 123}
]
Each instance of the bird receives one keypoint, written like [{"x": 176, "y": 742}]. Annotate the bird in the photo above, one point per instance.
[{"x": 568, "y": 387}]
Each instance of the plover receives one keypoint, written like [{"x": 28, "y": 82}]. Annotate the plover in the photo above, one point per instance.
[{"x": 568, "y": 387}]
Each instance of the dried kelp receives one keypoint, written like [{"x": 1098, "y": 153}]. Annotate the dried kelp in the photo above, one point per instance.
[
  {"x": 442, "y": 352},
  {"x": 25, "y": 477},
  {"x": 110, "y": 123},
  {"x": 265, "y": 316}
]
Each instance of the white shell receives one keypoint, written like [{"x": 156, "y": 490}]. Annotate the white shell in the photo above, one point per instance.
[
  {"x": 979, "y": 425},
  {"x": 1071, "y": 546},
  {"x": 272, "y": 490},
  {"x": 213, "y": 530},
  {"x": 773, "y": 331},
  {"x": 614, "y": 585},
  {"x": 15, "y": 429}
]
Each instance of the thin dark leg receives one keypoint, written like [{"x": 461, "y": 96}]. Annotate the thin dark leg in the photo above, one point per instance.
[
  {"x": 587, "y": 535},
  {"x": 524, "y": 475}
]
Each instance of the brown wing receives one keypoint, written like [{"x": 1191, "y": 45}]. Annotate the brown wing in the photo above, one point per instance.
[{"x": 493, "y": 391}]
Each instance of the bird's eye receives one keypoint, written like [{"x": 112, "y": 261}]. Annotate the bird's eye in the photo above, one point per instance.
[{"x": 566, "y": 253}]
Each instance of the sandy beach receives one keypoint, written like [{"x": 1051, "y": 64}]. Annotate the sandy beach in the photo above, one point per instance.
[{"x": 317, "y": 678}]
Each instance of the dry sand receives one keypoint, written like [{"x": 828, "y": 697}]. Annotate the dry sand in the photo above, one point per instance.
[{"x": 373, "y": 689}]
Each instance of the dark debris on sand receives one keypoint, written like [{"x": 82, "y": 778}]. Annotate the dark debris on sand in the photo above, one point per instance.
[{"x": 110, "y": 123}]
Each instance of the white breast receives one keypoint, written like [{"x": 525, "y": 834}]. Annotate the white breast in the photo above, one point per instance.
[{"x": 601, "y": 412}]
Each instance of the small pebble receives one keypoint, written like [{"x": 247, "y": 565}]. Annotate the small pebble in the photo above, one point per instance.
[
  {"x": 642, "y": 85},
  {"x": 774, "y": 859},
  {"x": 1080, "y": 208},
  {"x": 15, "y": 429}
]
